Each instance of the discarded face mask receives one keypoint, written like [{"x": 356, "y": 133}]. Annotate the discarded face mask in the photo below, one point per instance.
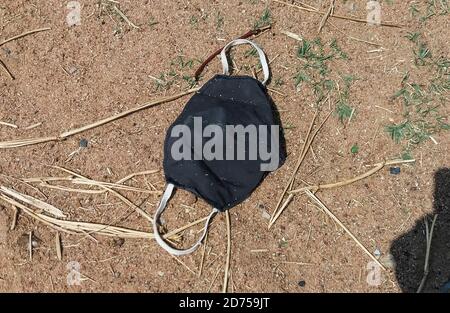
[{"x": 223, "y": 143}]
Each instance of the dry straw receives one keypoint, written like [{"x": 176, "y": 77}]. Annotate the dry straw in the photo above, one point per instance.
[
  {"x": 306, "y": 146},
  {"x": 376, "y": 168},
  {"x": 24, "y": 34},
  {"x": 329, "y": 213},
  {"x": 429, "y": 237},
  {"x": 2, "y": 64},
  {"x": 54, "y": 217},
  {"x": 227, "y": 262},
  {"x": 32, "y": 141},
  {"x": 342, "y": 17}
]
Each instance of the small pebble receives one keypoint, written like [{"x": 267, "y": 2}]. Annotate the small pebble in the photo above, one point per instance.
[
  {"x": 264, "y": 212},
  {"x": 83, "y": 143},
  {"x": 71, "y": 70},
  {"x": 161, "y": 274},
  {"x": 118, "y": 242},
  {"x": 394, "y": 170},
  {"x": 302, "y": 283}
]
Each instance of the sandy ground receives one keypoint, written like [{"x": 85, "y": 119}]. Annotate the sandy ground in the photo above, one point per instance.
[{"x": 70, "y": 76}]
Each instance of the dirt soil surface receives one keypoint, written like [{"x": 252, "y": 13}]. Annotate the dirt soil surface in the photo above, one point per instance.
[{"x": 70, "y": 76}]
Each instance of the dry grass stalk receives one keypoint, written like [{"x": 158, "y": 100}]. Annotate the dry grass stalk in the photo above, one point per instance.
[
  {"x": 214, "y": 278},
  {"x": 202, "y": 261},
  {"x": 25, "y": 142},
  {"x": 298, "y": 263},
  {"x": 330, "y": 214},
  {"x": 306, "y": 146},
  {"x": 5, "y": 68},
  {"x": 283, "y": 207},
  {"x": 179, "y": 230},
  {"x": 276, "y": 91},
  {"x": 32, "y": 201},
  {"x": 87, "y": 228},
  {"x": 227, "y": 262},
  {"x": 2, "y": 64},
  {"x": 32, "y": 141},
  {"x": 325, "y": 17},
  {"x": 44, "y": 182},
  {"x": 30, "y": 245},
  {"x": 184, "y": 264},
  {"x": 342, "y": 17},
  {"x": 270, "y": 63},
  {"x": 377, "y": 167},
  {"x": 297, "y": 166},
  {"x": 24, "y": 34},
  {"x": 429, "y": 237},
  {"x": 89, "y": 182},
  {"x": 79, "y": 228},
  {"x": 33, "y": 126},
  {"x": 126, "y": 113},
  {"x": 118, "y": 195},
  {"x": 259, "y": 250},
  {"x": 58, "y": 246},
  {"x": 353, "y": 38},
  {"x": 125, "y": 18},
  {"x": 9, "y": 124}
]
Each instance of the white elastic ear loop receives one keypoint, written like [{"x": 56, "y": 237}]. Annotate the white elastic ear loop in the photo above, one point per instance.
[
  {"x": 162, "y": 205},
  {"x": 262, "y": 57}
]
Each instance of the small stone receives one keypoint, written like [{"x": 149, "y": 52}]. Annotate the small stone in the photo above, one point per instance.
[
  {"x": 24, "y": 241},
  {"x": 265, "y": 215},
  {"x": 83, "y": 143},
  {"x": 71, "y": 70},
  {"x": 160, "y": 274},
  {"x": 394, "y": 170},
  {"x": 302, "y": 283},
  {"x": 118, "y": 242},
  {"x": 264, "y": 212}
]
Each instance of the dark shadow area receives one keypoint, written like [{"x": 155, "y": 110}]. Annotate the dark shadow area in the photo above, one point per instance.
[{"x": 409, "y": 249}]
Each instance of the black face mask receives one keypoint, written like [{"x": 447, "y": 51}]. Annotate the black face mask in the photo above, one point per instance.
[{"x": 223, "y": 143}]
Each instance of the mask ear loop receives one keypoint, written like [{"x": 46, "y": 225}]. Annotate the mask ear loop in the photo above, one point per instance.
[
  {"x": 162, "y": 206},
  {"x": 262, "y": 57}
]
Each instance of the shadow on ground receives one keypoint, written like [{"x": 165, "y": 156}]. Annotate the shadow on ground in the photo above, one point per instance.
[{"x": 409, "y": 249}]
